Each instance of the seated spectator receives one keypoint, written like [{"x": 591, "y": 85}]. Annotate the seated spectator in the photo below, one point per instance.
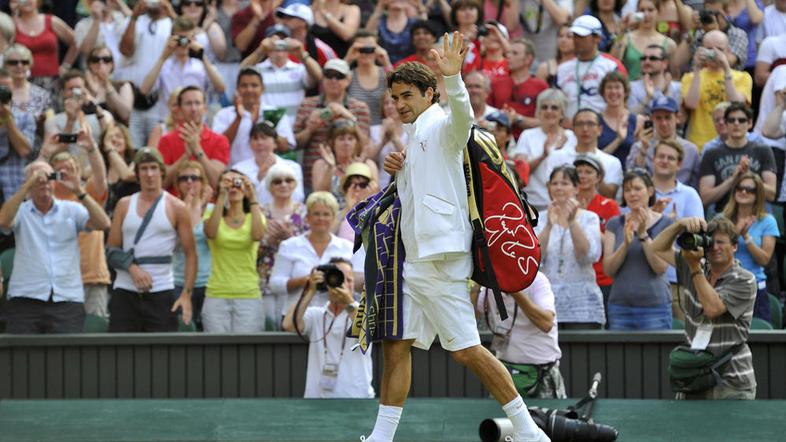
[
  {"x": 630, "y": 47},
  {"x": 394, "y": 27},
  {"x": 640, "y": 297},
  {"x": 609, "y": 14},
  {"x": 720, "y": 167},
  {"x": 45, "y": 294},
  {"x": 102, "y": 27},
  {"x": 192, "y": 188},
  {"x": 465, "y": 17},
  {"x": 773, "y": 24},
  {"x": 619, "y": 126},
  {"x": 143, "y": 298},
  {"x": 540, "y": 25},
  {"x": 718, "y": 302},
  {"x": 193, "y": 140},
  {"x": 335, "y": 23},
  {"x": 757, "y": 231},
  {"x": 334, "y": 369},
  {"x": 297, "y": 256},
  {"x": 655, "y": 82},
  {"x": 368, "y": 77},
  {"x": 233, "y": 301},
  {"x": 711, "y": 82},
  {"x": 719, "y": 122},
  {"x": 250, "y": 24},
  {"x": 27, "y": 97},
  {"x": 229, "y": 64},
  {"x": 299, "y": 17},
  {"x": 536, "y": 145},
  {"x": 285, "y": 81},
  {"x": 356, "y": 186},
  {"x": 479, "y": 87},
  {"x": 286, "y": 218},
  {"x": 528, "y": 342},
  {"x": 176, "y": 67},
  {"x": 236, "y": 122},
  {"x": 116, "y": 97},
  {"x": 118, "y": 154},
  {"x": 771, "y": 54},
  {"x": 713, "y": 18},
  {"x": 664, "y": 116},
  {"x": 565, "y": 51},
  {"x": 519, "y": 91},
  {"x": 571, "y": 242},
  {"x": 17, "y": 134},
  {"x": 316, "y": 115},
  {"x": 590, "y": 172},
  {"x": 423, "y": 37}
]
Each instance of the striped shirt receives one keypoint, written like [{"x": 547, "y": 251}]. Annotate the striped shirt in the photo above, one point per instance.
[
  {"x": 737, "y": 289},
  {"x": 372, "y": 97},
  {"x": 285, "y": 86}
]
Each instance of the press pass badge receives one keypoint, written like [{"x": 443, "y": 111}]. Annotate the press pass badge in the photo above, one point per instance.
[
  {"x": 329, "y": 377},
  {"x": 702, "y": 338}
]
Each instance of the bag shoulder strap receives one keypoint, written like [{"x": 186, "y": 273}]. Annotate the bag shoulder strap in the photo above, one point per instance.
[{"x": 146, "y": 219}]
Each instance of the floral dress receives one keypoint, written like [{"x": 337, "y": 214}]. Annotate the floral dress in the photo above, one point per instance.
[{"x": 268, "y": 250}]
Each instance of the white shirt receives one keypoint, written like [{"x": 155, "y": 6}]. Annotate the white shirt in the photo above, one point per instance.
[
  {"x": 612, "y": 167},
  {"x": 176, "y": 74},
  {"x": 530, "y": 144},
  {"x": 241, "y": 149},
  {"x": 584, "y": 93},
  {"x": 285, "y": 86},
  {"x": 774, "y": 23},
  {"x": 148, "y": 47},
  {"x": 355, "y": 369},
  {"x": 296, "y": 258},
  {"x": 527, "y": 344},
  {"x": 251, "y": 169},
  {"x": 546, "y": 39},
  {"x": 109, "y": 33}
]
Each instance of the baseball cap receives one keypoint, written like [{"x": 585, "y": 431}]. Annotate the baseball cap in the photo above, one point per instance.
[
  {"x": 502, "y": 28},
  {"x": 589, "y": 160},
  {"x": 297, "y": 10},
  {"x": 499, "y": 118},
  {"x": 338, "y": 65},
  {"x": 278, "y": 29},
  {"x": 586, "y": 25},
  {"x": 664, "y": 103}
]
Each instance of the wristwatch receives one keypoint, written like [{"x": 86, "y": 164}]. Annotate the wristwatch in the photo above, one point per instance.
[{"x": 351, "y": 308}]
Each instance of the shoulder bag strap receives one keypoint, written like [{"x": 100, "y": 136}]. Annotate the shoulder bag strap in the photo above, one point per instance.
[{"x": 146, "y": 219}]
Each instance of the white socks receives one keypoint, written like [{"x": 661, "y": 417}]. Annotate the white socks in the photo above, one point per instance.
[
  {"x": 387, "y": 422},
  {"x": 519, "y": 416}
]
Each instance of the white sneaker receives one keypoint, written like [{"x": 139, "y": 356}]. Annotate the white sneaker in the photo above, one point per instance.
[{"x": 540, "y": 437}]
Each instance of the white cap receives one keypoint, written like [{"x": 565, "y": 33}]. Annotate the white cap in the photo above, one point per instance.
[
  {"x": 338, "y": 65},
  {"x": 586, "y": 25},
  {"x": 297, "y": 10}
]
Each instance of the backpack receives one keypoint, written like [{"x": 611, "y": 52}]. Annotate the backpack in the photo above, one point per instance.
[{"x": 505, "y": 249}]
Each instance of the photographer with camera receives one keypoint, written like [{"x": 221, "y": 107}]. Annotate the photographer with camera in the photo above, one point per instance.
[
  {"x": 17, "y": 134},
  {"x": 335, "y": 370},
  {"x": 718, "y": 303}
]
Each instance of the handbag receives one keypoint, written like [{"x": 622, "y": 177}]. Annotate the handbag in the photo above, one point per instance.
[
  {"x": 144, "y": 102},
  {"x": 120, "y": 259},
  {"x": 696, "y": 371}
]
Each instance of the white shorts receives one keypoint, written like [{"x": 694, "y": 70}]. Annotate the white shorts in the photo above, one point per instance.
[{"x": 436, "y": 302}]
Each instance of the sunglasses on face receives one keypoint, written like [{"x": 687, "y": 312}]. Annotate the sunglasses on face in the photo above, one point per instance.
[
  {"x": 741, "y": 120},
  {"x": 186, "y": 178},
  {"x": 278, "y": 181},
  {"x": 551, "y": 107},
  {"x": 649, "y": 58},
  {"x": 192, "y": 3},
  {"x": 359, "y": 184},
  {"x": 746, "y": 189},
  {"x": 17, "y": 62},
  {"x": 106, "y": 59},
  {"x": 333, "y": 75}
]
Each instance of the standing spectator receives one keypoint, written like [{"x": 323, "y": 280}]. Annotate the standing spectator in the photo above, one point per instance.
[
  {"x": 263, "y": 142},
  {"x": 539, "y": 22},
  {"x": 182, "y": 63},
  {"x": 608, "y": 12},
  {"x": 116, "y": 97},
  {"x": 236, "y": 122},
  {"x": 193, "y": 140},
  {"x": 571, "y": 243},
  {"x": 143, "y": 298},
  {"x": 620, "y": 127},
  {"x": 207, "y": 31},
  {"x": 250, "y": 24},
  {"x": 655, "y": 81},
  {"x": 368, "y": 77},
  {"x": 229, "y": 64},
  {"x": 17, "y": 134},
  {"x": 7, "y": 33},
  {"x": 394, "y": 27},
  {"x": 233, "y": 301},
  {"x": 392, "y": 138},
  {"x": 746, "y": 15},
  {"x": 299, "y": 17},
  {"x": 719, "y": 122},
  {"x": 286, "y": 81},
  {"x": 720, "y": 167},
  {"x": 519, "y": 91},
  {"x": 424, "y": 36},
  {"x": 580, "y": 78},
  {"x": 640, "y": 297},
  {"x": 711, "y": 82},
  {"x": 119, "y": 162},
  {"x": 492, "y": 63},
  {"x": 317, "y": 114},
  {"x": 298, "y": 255},
  {"x": 721, "y": 296},
  {"x": 757, "y": 230},
  {"x": 630, "y": 48},
  {"x": 103, "y": 27},
  {"x": 537, "y": 144},
  {"x": 465, "y": 17},
  {"x": 42, "y": 34},
  {"x": 528, "y": 342},
  {"x": 334, "y": 370},
  {"x": 285, "y": 218},
  {"x": 195, "y": 192},
  {"x": 335, "y": 23},
  {"x": 590, "y": 172},
  {"x": 664, "y": 115},
  {"x": 479, "y": 87},
  {"x": 27, "y": 97},
  {"x": 45, "y": 294},
  {"x": 774, "y": 22},
  {"x": 771, "y": 54},
  {"x": 547, "y": 70}
]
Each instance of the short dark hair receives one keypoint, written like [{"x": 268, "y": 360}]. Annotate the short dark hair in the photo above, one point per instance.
[
  {"x": 189, "y": 89},
  {"x": 265, "y": 128},
  {"x": 182, "y": 24},
  {"x": 425, "y": 25},
  {"x": 415, "y": 74},
  {"x": 340, "y": 260},
  {"x": 568, "y": 170},
  {"x": 644, "y": 176},
  {"x": 721, "y": 224},
  {"x": 249, "y": 72},
  {"x": 738, "y": 106},
  {"x": 365, "y": 33},
  {"x": 618, "y": 4},
  {"x": 583, "y": 110},
  {"x": 660, "y": 49},
  {"x": 672, "y": 144},
  {"x": 70, "y": 75},
  {"x": 614, "y": 77},
  {"x": 458, "y": 4}
]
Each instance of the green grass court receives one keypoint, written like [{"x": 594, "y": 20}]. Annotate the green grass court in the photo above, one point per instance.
[{"x": 282, "y": 420}]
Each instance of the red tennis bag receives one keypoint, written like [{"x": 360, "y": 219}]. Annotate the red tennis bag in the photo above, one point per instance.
[{"x": 505, "y": 249}]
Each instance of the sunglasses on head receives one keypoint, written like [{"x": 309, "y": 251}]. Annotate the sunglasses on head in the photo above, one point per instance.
[
  {"x": 740, "y": 120},
  {"x": 333, "y": 75},
  {"x": 186, "y": 178},
  {"x": 17, "y": 62},
  {"x": 95, "y": 59},
  {"x": 649, "y": 58},
  {"x": 746, "y": 189},
  {"x": 277, "y": 181}
]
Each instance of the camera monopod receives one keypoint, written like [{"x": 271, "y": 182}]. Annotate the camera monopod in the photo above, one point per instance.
[{"x": 573, "y": 424}]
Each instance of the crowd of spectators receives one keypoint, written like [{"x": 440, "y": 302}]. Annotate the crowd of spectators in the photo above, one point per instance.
[{"x": 256, "y": 124}]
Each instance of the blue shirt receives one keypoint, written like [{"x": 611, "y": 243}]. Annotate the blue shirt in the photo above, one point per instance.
[
  {"x": 688, "y": 204},
  {"x": 765, "y": 226},
  {"x": 12, "y": 166},
  {"x": 204, "y": 259},
  {"x": 47, "y": 252}
]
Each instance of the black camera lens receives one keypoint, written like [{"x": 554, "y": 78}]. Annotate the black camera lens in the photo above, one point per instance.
[
  {"x": 483, "y": 31},
  {"x": 5, "y": 94},
  {"x": 334, "y": 277},
  {"x": 238, "y": 183},
  {"x": 183, "y": 41},
  {"x": 692, "y": 241},
  {"x": 707, "y": 17},
  {"x": 367, "y": 50}
]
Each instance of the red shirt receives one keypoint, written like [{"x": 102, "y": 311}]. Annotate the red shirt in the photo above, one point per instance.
[
  {"x": 606, "y": 209},
  {"x": 413, "y": 57},
  {"x": 215, "y": 145},
  {"x": 522, "y": 97},
  {"x": 44, "y": 47}
]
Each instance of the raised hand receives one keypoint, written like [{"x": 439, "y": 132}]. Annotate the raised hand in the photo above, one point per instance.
[
  {"x": 454, "y": 50},
  {"x": 327, "y": 155}
]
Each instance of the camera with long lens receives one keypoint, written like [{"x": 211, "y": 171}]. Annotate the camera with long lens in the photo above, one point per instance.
[
  {"x": 692, "y": 241},
  {"x": 334, "y": 277},
  {"x": 559, "y": 426}
]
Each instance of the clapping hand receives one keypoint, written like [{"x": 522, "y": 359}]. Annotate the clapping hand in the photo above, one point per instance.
[{"x": 327, "y": 154}]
